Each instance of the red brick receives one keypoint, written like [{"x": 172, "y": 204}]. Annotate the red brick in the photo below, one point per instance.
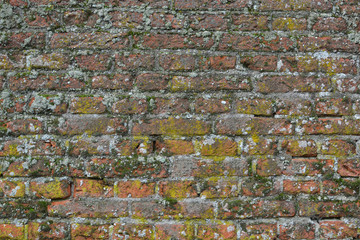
[
  {"x": 220, "y": 188},
  {"x": 294, "y": 107},
  {"x": 309, "y": 167},
  {"x": 87, "y": 105},
  {"x": 32, "y": 147},
  {"x": 214, "y": 231},
  {"x": 329, "y": 126},
  {"x": 151, "y": 82},
  {"x": 85, "y": 231},
  {"x": 349, "y": 167},
  {"x": 51, "y": 189},
  {"x": 118, "y": 81},
  {"x": 330, "y": 24},
  {"x": 134, "y": 189},
  {"x": 260, "y": 187},
  {"x": 175, "y": 147},
  {"x": 299, "y": 5},
  {"x": 208, "y": 22},
  {"x": 177, "y": 231},
  {"x": 347, "y": 187},
  {"x": 80, "y": 17},
  {"x": 312, "y": 44},
  {"x": 255, "y": 106},
  {"x": 218, "y": 147},
  {"x": 53, "y": 61},
  {"x": 289, "y": 24},
  {"x": 7, "y": 62},
  {"x": 300, "y": 148},
  {"x": 134, "y": 231},
  {"x": 130, "y": 106},
  {"x": 20, "y": 40},
  {"x": 48, "y": 230},
  {"x": 338, "y": 148},
  {"x": 260, "y": 63},
  {"x": 89, "y": 40},
  {"x": 333, "y": 107},
  {"x": 12, "y": 231},
  {"x": 268, "y": 167},
  {"x": 165, "y": 20},
  {"x": 93, "y": 62},
  {"x": 11, "y": 188},
  {"x": 250, "y": 22},
  {"x": 297, "y": 230},
  {"x": 135, "y": 61},
  {"x": 278, "y": 84},
  {"x": 136, "y": 146},
  {"x": 257, "y": 125},
  {"x": 132, "y": 3},
  {"x": 204, "y": 5},
  {"x": 51, "y": 82},
  {"x": 260, "y": 146},
  {"x": 89, "y": 146},
  {"x": 177, "y": 62},
  {"x": 126, "y": 19},
  {"x": 338, "y": 229},
  {"x": 171, "y": 126},
  {"x": 217, "y": 63},
  {"x": 328, "y": 209},
  {"x": 258, "y": 231},
  {"x": 93, "y": 188},
  {"x": 296, "y": 187},
  {"x": 92, "y": 125},
  {"x": 178, "y": 189},
  {"x": 90, "y": 208},
  {"x": 173, "y": 41},
  {"x": 50, "y": 18},
  {"x": 170, "y": 106},
  {"x": 180, "y": 83},
  {"x": 25, "y": 126},
  {"x": 249, "y": 43},
  {"x": 238, "y": 209}
]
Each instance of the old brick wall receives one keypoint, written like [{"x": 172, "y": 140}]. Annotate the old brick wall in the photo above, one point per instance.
[{"x": 179, "y": 119}]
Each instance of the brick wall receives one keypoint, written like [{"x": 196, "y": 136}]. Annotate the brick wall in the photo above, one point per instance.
[{"x": 179, "y": 119}]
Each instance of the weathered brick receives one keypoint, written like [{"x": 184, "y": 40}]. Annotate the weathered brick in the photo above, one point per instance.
[
  {"x": 87, "y": 105},
  {"x": 338, "y": 229},
  {"x": 250, "y": 22},
  {"x": 171, "y": 106},
  {"x": 330, "y": 24},
  {"x": 217, "y": 62},
  {"x": 178, "y": 189},
  {"x": 300, "y": 148},
  {"x": 151, "y": 82},
  {"x": 93, "y": 188},
  {"x": 349, "y": 167},
  {"x": 171, "y": 126},
  {"x": 134, "y": 189},
  {"x": 297, "y": 5},
  {"x": 328, "y": 209},
  {"x": 175, "y": 147},
  {"x": 48, "y": 230},
  {"x": 135, "y": 231},
  {"x": 258, "y": 231},
  {"x": 52, "y": 189},
  {"x": 178, "y": 231},
  {"x": 259, "y": 126},
  {"x": 218, "y": 147},
  {"x": 296, "y": 187},
  {"x": 89, "y": 40},
  {"x": 11, "y": 188},
  {"x": 297, "y": 230},
  {"x": 95, "y": 208},
  {"x": 220, "y": 188},
  {"x": 12, "y": 231},
  {"x": 289, "y": 24},
  {"x": 255, "y": 106},
  {"x": 213, "y": 231},
  {"x": 309, "y": 167},
  {"x": 84, "y": 231},
  {"x": 93, "y": 62},
  {"x": 333, "y": 107},
  {"x": 118, "y": 81},
  {"x": 180, "y": 83},
  {"x": 130, "y": 106},
  {"x": 135, "y": 61}
]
